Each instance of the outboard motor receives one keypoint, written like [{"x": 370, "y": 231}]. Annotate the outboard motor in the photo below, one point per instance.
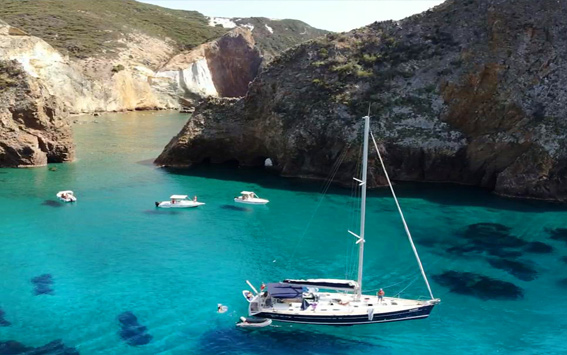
[{"x": 157, "y": 204}]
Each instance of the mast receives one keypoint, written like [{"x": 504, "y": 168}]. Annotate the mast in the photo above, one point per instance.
[{"x": 363, "y": 203}]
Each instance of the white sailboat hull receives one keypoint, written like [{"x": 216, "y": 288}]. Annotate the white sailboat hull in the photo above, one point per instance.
[{"x": 347, "y": 311}]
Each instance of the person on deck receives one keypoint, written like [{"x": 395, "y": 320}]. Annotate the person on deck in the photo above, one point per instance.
[{"x": 381, "y": 295}]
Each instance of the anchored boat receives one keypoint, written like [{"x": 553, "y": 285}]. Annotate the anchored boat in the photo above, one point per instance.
[
  {"x": 250, "y": 198},
  {"x": 66, "y": 196},
  {"x": 179, "y": 201},
  {"x": 337, "y": 301}
]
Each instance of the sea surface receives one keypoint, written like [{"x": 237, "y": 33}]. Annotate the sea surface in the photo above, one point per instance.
[{"x": 80, "y": 272}]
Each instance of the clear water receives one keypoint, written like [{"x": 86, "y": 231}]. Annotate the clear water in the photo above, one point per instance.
[{"x": 113, "y": 252}]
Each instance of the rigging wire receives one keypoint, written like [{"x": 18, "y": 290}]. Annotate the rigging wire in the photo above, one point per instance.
[
  {"x": 326, "y": 185},
  {"x": 402, "y": 217}
]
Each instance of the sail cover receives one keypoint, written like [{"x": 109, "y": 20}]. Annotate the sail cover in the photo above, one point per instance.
[
  {"x": 280, "y": 290},
  {"x": 334, "y": 284}
]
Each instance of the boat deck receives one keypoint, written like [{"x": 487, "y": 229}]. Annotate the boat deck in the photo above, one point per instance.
[{"x": 341, "y": 304}]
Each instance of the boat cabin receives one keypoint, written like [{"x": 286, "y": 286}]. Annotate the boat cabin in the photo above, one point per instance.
[
  {"x": 177, "y": 198},
  {"x": 247, "y": 195}
]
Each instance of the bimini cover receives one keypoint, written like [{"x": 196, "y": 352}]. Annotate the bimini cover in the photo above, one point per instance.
[
  {"x": 178, "y": 197},
  {"x": 246, "y": 192},
  {"x": 334, "y": 284},
  {"x": 280, "y": 290}
]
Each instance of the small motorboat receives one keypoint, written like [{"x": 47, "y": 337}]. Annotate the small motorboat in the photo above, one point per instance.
[
  {"x": 179, "y": 201},
  {"x": 250, "y": 198},
  {"x": 66, "y": 196},
  {"x": 250, "y": 322}
]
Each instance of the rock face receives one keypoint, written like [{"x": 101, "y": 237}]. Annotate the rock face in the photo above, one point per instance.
[
  {"x": 476, "y": 99},
  {"x": 33, "y": 128},
  {"x": 117, "y": 56},
  {"x": 223, "y": 67}
]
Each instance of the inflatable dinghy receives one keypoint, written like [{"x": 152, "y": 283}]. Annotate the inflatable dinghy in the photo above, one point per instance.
[{"x": 248, "y": 322}]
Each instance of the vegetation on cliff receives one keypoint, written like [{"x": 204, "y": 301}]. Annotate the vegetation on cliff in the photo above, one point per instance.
[{"x": 84, "y": 28}]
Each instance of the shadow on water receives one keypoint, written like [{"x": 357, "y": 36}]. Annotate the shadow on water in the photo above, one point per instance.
[
  {"x": 52, "y": 203},
  {"x": 440, "y": 193},
  {"x": 56, "y": 347},
  {"x": 161, "y": 211},
  {"x": 235, "y": 208},
  {"x": 280, "y": 340}
]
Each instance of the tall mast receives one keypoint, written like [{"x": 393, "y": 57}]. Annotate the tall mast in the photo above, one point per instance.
[{"x": 363, "y": 202}]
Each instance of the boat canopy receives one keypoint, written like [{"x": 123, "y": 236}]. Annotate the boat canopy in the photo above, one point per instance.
[
  {"x": 335, "y": 284},
  {"x": 178, "y": 197},
  {"x": 246, "y": 193},
  {"x": 280, "y": 290},
  {"x": 68, "y": 192}
]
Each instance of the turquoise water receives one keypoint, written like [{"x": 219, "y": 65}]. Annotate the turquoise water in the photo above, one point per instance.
[{"x": 113, "y": 252}]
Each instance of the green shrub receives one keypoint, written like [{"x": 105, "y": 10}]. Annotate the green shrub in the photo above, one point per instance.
[
  {"x": 323, "y": 53},
  {"x": 364, "y": 73},
  {"x": 118, "y": 68},
  {"x": 370, "y": 58}
]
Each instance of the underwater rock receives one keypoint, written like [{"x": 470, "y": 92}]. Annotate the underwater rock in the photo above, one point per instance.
[
  {"x": 518, "y": 269},
  {"x": 133, "y": 333},
  {"x": 51, "y": 203},
  {"x": 538, "y": 248},
  {"x": 56, "y": 347},
  {"x": 562, "y": 283},
  {"x": 43, "y": 284},
  {"x": 480, "y": 286},
  {"x": 558, "y": 234},
  {"x": 283, "y": 341},
  {"x": 564, "y": 259},
  {"x": 3, "y": 322},
  {"x": 492, "y": 235}
]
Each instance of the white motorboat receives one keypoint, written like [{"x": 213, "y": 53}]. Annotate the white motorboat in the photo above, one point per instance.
[
  {"x": 249, "y": 322},
  {"x": 250, "y": 198},
  {"x": 179, "y": 201},
  {"x": 66, "y": 196},
  {"x": 338, "y": 301}
]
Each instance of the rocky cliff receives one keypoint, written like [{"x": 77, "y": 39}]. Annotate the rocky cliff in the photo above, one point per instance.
[
  {"x": 470, "y": 92},
  {"x": 223, "y": 67},
  {"x": 111, "y": 55},
  {"x": 33, "y": 128}
]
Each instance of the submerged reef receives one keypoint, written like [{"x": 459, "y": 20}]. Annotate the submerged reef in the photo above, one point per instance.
[
  {"x": 43, "y": 284},
  {"x": 520, "y": 270},
  {"x": 480, "y": 286},
  {"x": 132, "y": 332},
  {"x": 3, "y": 322},
  {"x": 56, "y": 347}
]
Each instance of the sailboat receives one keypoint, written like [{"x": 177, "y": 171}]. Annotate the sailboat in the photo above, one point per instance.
[{"x": 337, "y": 301}]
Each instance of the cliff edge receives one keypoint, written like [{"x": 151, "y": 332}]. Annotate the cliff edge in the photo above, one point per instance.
[{"x": 469, "y": 92}]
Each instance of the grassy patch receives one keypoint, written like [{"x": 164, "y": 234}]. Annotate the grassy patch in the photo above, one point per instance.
[{"x": 84, "y": 28}]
